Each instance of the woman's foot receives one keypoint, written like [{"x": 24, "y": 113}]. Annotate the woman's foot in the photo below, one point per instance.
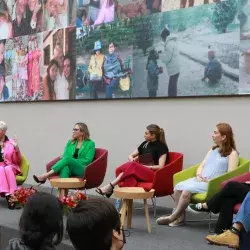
[
  {"x": 106, "y": 190},
  {"x": 164, "y": 220},
  {"x": 11, "y": 206},
  {"x": 178, "y": 222},
  {"x": 40, "y": 179},
  {"x": 199, "y": 207}
]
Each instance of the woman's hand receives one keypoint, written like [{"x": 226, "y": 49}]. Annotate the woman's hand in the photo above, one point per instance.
[
  {"x": 15, "y": 142},
  {"x": 131, "y": 158}
]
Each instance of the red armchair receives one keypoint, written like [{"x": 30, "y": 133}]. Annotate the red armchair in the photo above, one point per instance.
[
  {"x": 163, "y": 179},
  {"x": 240, "y": 178},
  {"x": 95, "y": 171}
]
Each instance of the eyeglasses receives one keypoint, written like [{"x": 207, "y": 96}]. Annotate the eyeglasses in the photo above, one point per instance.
[
  {"x": 76, "y": 129},
  {"x": 125, "y": 234}
]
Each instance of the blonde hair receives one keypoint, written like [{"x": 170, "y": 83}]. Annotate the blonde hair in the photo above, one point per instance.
[
  {"x": 3, "y": 126},
  {"x": 83, "y": 128},
  {"x": 158, "y": 132}
]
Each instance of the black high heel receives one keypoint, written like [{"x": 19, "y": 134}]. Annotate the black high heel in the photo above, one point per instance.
[
  {"x": 108, "y": 195},
  {"x": 37, "y": 180},
  {"x": 11, "y": 206}
]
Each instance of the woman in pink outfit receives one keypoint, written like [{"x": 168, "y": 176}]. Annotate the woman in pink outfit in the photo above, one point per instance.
[
  {"x": 10, "y": 159},
  {"x": 36, "y": 70},
  {"x": 107, "y": 12},
  {"x": 30, "y": 66}
]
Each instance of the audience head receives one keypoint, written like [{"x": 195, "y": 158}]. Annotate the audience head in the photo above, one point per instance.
[
  {"x": 154, "y": 132},
  {"x": 41, "y": 221},
  {"x": 95, "y": 224},
  {"x": 3, "y": 129},
  {"x": 81, "y": 131},
  {"x": 224, "y": 139}
]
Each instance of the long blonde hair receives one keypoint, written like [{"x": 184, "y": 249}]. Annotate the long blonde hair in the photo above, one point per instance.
[{"x": 158, "y": 132}]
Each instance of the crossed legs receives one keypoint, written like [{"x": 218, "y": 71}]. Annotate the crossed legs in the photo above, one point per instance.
[{"x": 182, "y": 199}]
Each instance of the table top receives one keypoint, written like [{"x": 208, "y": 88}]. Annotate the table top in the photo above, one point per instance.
[
  {"x": 133, "y": 193},
  {"x": 68, "y": 182}
]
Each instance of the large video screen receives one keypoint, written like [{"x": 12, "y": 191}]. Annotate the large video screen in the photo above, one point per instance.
[{"x": 113, "y": 49}]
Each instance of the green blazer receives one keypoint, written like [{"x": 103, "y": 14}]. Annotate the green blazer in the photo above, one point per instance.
[{"x": 86, "y": 152}]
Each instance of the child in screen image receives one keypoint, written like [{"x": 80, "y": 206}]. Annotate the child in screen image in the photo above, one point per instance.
[
  {"x": 213, "y": 70},
  {"x": 153, "y": 73}
]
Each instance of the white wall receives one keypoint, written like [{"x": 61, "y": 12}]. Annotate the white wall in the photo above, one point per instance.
[{"x": 44, "y": 128}]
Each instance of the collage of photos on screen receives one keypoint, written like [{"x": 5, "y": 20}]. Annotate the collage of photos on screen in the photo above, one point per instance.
[
  {"x": 104, "y": 66},
  {"x": 192, "y": 52},
  {"x": 91, "y": 13},
  {"x": 26, "y": 17},
  {"x": 58, "y": 81},
  {"x": 244, "y": 83}
]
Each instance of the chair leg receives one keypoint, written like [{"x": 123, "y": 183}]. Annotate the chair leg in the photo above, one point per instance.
[
  {"x": 153, "y": 199},
  {"x": 209, "y": 223}
]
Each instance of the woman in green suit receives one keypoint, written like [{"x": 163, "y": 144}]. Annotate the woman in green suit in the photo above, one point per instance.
[{"x": 79, "y": 152}]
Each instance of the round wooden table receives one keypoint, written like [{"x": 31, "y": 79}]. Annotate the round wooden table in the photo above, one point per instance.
[
  {"x": 64, "y": 184},
  {"x": 128, "y": 194}
]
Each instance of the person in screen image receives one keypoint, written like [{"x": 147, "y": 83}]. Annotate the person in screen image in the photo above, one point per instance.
[
  {"x": 95, "y": 67},
  {"x": 106, "y": 13},
  {"x": 49, "y": 81},
  {"x": 170, "y": 56},
  {"x": 21, "y": 26},
  {"x": 5, "y": 25},
  {"x": 183, "y": 3},
  {"x": 213, "y": 70},
  {"x": 153, "y": 73},
  {"x": 134, "y": 171},
  {"x": 112, "y": 70}
]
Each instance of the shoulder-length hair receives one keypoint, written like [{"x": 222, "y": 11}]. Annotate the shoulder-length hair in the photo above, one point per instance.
[{"x": 228, "y": 145}]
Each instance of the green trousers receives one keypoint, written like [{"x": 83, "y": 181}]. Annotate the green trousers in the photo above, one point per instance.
[{"x": 68, "y": 166}]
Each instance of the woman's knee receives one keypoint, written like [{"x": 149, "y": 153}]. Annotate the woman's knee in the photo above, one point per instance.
[
  {"x": 185, "y": 194},
  {"x": 231, "y": 185}
]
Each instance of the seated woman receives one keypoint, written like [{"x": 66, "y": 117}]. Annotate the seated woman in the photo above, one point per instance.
[
  {"x": 10, "y": 160},
  {"x": 221, "y": 158},
  {"x": 133, "y": 171},
  {"x": 223, "y": 203},
  {"x": 41, "y": 221},
  {"x": 79, "y": 152},
  {"x": 230, "y": 237}
]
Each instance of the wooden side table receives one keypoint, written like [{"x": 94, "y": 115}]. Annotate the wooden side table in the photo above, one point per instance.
[
  {"x": 64, "y": 184},
  {"x": 128, "y": 194}
]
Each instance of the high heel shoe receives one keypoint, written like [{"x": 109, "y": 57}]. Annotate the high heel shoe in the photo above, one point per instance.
[
  {"x": 37, "y": 180},
  {"x": 108, "y": 195},
  {"x": 11, "y": 206}
]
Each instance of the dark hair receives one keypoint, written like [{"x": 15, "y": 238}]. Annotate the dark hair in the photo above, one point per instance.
[
  {"x": 152, "y": 57},
  {"x": 164, "y": 34},
  {"x": 68, "y": 57},
  {"x": 3, "y": 41},
  {"x": 112, "y": 43},
  {"x": 158, "y": 132},
  {"x": 49, "y": 81},
  {"x": 91, "y": 223},
  {"x": 41, "y": 221}
]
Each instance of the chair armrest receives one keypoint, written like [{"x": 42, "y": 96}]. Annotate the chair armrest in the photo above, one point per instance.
[
  {"x": 214, "y": 186},
  {"x": 51, "y": 163},
  {"x": 185, "y": 174},
  {"x": 241, "y": 178}
]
